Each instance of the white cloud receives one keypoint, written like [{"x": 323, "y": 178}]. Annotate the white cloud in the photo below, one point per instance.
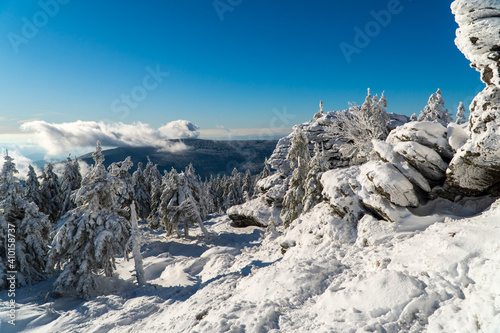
[{"x": 59, "y": 138}]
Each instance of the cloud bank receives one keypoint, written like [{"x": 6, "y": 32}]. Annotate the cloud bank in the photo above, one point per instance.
[{"x": 59, "y": 138}]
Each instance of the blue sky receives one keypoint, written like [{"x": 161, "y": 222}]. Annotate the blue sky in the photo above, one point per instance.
[{"x": 246, "y": 65}]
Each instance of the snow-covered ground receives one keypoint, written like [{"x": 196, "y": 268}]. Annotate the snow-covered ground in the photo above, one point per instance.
[{"x": 434, "y": 273}]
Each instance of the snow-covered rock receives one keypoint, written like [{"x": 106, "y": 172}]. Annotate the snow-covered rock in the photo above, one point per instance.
[
  {"x": 317, "y": 132},
  {"x": 428, "y": 133},
  {"x": 457, "y": 135},
  {"x": 392, "y": 185},
  {"x": 427, "y": 161},
  {"x": 354, "y": 191},
  {"x": 386, "y": 153},
  {"x": 255, "y": 212},
  {"x": 475, "y": 168}
]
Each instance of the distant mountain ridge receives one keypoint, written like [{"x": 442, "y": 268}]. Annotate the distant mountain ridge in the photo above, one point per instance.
[{"x": 209, "y": 157}]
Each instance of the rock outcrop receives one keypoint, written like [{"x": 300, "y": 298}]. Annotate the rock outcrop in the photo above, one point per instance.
[{"x": 475, "y": 169}]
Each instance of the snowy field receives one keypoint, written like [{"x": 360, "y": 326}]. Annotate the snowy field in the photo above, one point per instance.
[{"x": 438, "y": 273}]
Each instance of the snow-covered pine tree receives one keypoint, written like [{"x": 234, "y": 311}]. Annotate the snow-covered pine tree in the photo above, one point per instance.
[
  {"x": 313, "y": 188},
  {"x": 298, "y": 157},
  {"x": 154, "y": 186},
  {"x": 248, "y": 186},
  {"x": 179, "y": 204},
  {"x": 142, "y": 195},
  {"x": 461, "y": 114},
  {"x": 414, "y": 117},
  {"x": 33, "y": 187},
  {"x": 194, "y": 183},
  {"x": 233, "y": 190},
  {"x": 266, "y": 172},
  {"x": 24, "y": 231},
  {"x": 51, "y": 194},
  {"x": 91, "y": 235},
  {"x": 435, "y": 110},
  {"x": 168, "y": 209},
  {"x": 379, "y": 116},
  {"x": 124, "y": 185},
  {"x": 71, "y": 181}
]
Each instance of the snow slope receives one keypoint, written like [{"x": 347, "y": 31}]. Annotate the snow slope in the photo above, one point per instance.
[{"x": 437, "y": 272}]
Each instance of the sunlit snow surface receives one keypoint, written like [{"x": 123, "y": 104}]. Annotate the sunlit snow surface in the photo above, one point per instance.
[{"x": 434, "y": 270}]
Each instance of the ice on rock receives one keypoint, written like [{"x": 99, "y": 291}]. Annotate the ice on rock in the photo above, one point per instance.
[{"x": 475, "y": 169}]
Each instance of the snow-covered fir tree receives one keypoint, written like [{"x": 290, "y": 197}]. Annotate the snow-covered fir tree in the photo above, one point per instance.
[
  {"x": 24, "y": 231},
  {"x": 33, "y": 187},
  {"x": 51, "y": 193},
  {"x": 461, "y": 114},
  {"x": 194, "y": 183},
  {"x": 91, "y": 235},
  {"x": 313, "y": 187},
  {"x": 247, "y": 186},
  {"x": 71, "y": 181},
  {"x": 414, "y": 117},
  {"x": 233, "y": 190},
  {"x": 266, "y": 172},
  {"x": 154, "y": 186},
  {"x": 124, "y": 185},
  {"x": 142, "y": 195},
  {"x": 298, "y": 157},
  {"x": 435, "y": 110},
  {"x": 178, "y": 204}
]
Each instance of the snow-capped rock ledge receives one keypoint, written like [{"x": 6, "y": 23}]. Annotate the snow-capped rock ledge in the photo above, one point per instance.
[
  {"x": 475, "y": 169},
  {"x": 253, "y": 213}
]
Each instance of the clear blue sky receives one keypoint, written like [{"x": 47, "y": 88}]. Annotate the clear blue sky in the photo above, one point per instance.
[{"x": 263, "y": 56}]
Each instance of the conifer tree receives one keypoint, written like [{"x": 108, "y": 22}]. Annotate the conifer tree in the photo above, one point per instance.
[
  {"x": 247, "y": 186},
  {"x": 123, "y": 185},
  {"x": 51, "y": 194},
  {"x": 298, "y": 157},
  {"x": 92, "y": 234},
  {"x": 33, "y": 187},
  {"x": 142, "y": 195},
  {"x": 24, "y": 231},
  {"x": 71, "y": 181},
  {"x": 153, "y": 179},
  {"x": 313, "y": 188},
  {"x": 461, "y": 114},
  {"x": 435, "y": 110},
  {"x": 179, "y": 204}
]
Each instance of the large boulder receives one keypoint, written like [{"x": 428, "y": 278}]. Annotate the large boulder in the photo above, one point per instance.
[
  {"x": 475, "y": 169},
  {"x": 427, "y": 133},
  {"x": 427, "y": 161},
  {"x": 374, "y": 187}
]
